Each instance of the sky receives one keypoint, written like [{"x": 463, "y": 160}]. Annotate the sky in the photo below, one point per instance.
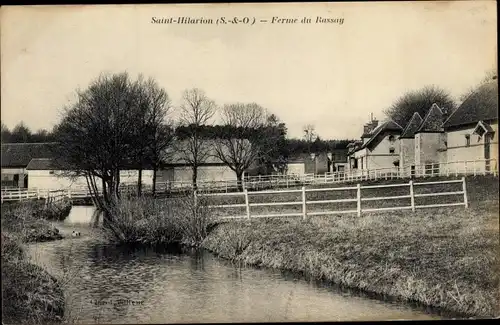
[{"x": 330, "y": 75}]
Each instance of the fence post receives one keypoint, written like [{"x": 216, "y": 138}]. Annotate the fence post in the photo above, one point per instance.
[
  {"x": 69, "y": 194},
  {"x": 359, "y": 199},
  {"x": 412, "y": 196},
  {"x": 466, "y": 201},
  {"x": 195, "y": 199},
  {"x": 304, "y": 206},
  {"x": 465, "y": 167},
  {"x": 38, "y": 194},
  {"x": 474, "y": 166},
  {"x": 247, "y": 204}
]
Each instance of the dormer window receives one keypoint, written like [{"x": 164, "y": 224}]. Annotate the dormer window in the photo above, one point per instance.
[
  {"x": 391, "y": 138},
  {"x": 467, "y": 140}
]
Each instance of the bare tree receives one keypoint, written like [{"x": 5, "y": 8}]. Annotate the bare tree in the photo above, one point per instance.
[
  {"x": 153, "y": 132},
  {"x": 309, "y": 135},
  {"x": 196, "y": 111},
  {"x": 97, "y": 139},
  {"x": 241, "y": 145}
]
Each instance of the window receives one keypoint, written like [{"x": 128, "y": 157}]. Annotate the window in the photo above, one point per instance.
[
  {"x": 467, "y": 140},
  {"x": 51, "y": 172},
  {"x": 391, "y": 138},
  {"x": 391, "y": 150}
]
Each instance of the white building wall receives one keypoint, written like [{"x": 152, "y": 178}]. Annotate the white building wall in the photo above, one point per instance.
[
  {"x": 382, "y": 161},
  {"x": 406, "y": 152},
  {"x": 383, "y": 148},
  {"x": 296, "y": 168},
  {"x": 205, "y": 174},
  {"x": 458, "y": 151},
  {"x": 46, "y": 179}
]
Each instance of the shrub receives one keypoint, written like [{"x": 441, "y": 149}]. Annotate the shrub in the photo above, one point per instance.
[{"x": 150, "y": 221}]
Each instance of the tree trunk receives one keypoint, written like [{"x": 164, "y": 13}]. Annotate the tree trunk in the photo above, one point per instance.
[
  {"x": 154, "y": 180},
  {"x": 239, "y": 178},
  {"x": 117, "y": 186},
  {"x": 139, "y": 183},
  {"x": 195, "y": 177}
]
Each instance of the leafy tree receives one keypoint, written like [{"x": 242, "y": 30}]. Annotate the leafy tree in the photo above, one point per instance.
[
  {"x": 21, "y": 133},
  {"x": 419, "y": 101},
  {"x": 6, "y": 134}
]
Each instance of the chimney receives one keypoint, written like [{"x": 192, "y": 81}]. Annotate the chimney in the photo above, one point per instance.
[
  {"x": 366, "y": 128},
  {"x": 374, "y": 124}
]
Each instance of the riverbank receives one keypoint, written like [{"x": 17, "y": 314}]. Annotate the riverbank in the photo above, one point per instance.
[
  {"x": 30, "y": 221},
  {"x": 442, "y": 258},
  {"x": 30, "y": 295}
]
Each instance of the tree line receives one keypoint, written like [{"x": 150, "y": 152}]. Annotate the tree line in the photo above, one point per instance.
[{"x": 120, "y": 123}]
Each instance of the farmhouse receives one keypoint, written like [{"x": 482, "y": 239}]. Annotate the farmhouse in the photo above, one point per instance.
[
  {"x": 178, "y": 169},
  {"x": 338, "y": 160},
  {"x": 472, "y": 129},
  {"x": 304, "y": 163},
  {"x": 379, "y": 146},
  {"x": 469, "y": 135},
  {"x": 34, "y": 162},
  {"x": 45, "y": 173},
  {"x": 15, "y": 159}
]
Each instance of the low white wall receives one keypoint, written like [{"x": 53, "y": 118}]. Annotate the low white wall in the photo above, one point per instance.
[{"x": 46, "y": 179}]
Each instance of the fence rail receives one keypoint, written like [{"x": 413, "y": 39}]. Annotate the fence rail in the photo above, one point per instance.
[
  {"x": 50, "y": 196},
  {"x": 264, "y": 183},
  {"x": 462, "y": 195}
]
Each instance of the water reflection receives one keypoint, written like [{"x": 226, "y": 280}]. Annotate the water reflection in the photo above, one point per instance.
[{"x": 135, "y": 285}]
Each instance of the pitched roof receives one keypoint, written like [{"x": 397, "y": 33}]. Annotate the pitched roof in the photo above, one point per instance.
[
  {"x": 433, "y": 120},
  {"x": 20, "y": 154},
  {"x": 388, "y": 125},
  {"x": 480, "y": 105},
  {"x": 45, "y": 164},
  {"x": 412, "y": 126}
]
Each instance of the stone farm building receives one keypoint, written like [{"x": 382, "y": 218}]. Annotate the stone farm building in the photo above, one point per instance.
[
  {"x": 15, "y": 159},
  {"x": 440, "y": 138},
  {"x": 31, "y": 165},
  {"x": 317, "y": 163}
]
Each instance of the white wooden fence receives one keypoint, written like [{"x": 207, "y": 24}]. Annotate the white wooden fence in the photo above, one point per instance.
[
  {"x": 453, "y": 168},
  {"x": 357, "y": 198},
  {"x": 264, "y": 182},
  {"x": 50, "y": 196}
]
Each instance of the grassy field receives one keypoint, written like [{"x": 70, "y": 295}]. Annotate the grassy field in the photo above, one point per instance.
[
  {"x": 446, "y": 258},
  {"x": 479, "y": 188}
]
